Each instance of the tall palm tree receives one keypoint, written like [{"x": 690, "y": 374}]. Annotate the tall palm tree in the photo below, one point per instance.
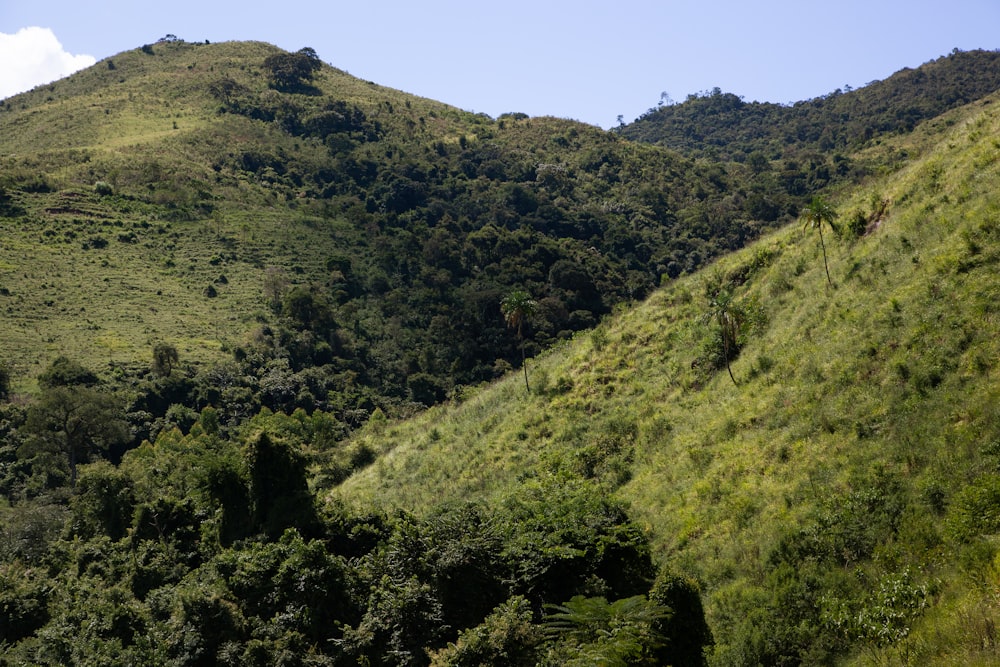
[
  {"x": 518, "y": 307},
  {"x": 731, "y": 317},
  {"x": 815, "y": 214}
]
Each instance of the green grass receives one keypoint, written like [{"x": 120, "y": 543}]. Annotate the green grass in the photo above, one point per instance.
[{"x": 894, "y": 369}]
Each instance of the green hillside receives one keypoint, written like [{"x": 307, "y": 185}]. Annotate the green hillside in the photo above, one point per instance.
[
  {"x": 234, "y": 278},
  {"x": 201, "y": 194},
  {"x": 838, "y": 502},
  {"x": 726, "y": 126}
]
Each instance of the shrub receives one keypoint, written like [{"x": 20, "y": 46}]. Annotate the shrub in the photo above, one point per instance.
[
  {"x": 975, "y": 510},
  {"x": 506, "y": 637}
]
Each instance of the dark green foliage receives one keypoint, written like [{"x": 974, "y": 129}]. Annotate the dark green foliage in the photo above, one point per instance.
[
  {"x": 292, "y": 72},
  {"x": 808, "y": 581},
  {"x": 885, "y": 616},
  {"x": 594, "y": 631},
  {"x": 403, "y": 618},
  {"x": 975, "y": 510},
  {"x": 103, "y": 503},
  {"x": 227, "y": 487},
  {"x": 29, "y": 530},
  {"x": 64, "y": 372},
  {"x": 298, "y": 579},
  {"x": 199, "y": 550},
  {"x": 165, "y": 358},
  {"x": 686, "y": 635},
  {"x": 399, "y": 230},
  {"x": 407, "y": 233},
  {"x": 506, "y": 637},
  {"x": 308, "y": 310},
  {"x": 4, "y": 381},
  {"x": 848, "y": 528},
  {"x": 565, "y": 541},
  {"x": 278, "y": 490},
  {"x": 426, "y": 388},
  {"x": 74, "y": 421},
  {"x": 24, "y": 597},
  {"x": 7, "y": 205}
]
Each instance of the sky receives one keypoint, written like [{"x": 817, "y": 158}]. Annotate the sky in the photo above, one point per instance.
[{"x": 588, "y": 61}]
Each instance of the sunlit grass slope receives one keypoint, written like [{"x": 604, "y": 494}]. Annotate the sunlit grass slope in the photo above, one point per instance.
[{"x": 891, "y": 374}]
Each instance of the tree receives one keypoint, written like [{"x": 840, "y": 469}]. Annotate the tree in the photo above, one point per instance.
[
  {"x": 518, "y": 307},
  {"x": 74, "y": 421},
  {"x": 278, "y": 490},
  {"x": 275, "y": 286},
  {"x": 731, "y": 318},
  {"x": 686, "y": 632},
  {"x": 594, "y": 631},
  {"x": 4, "y": 380},
  {"x": 814, "y": 215},
  {"x": 290, "y": 72},
  {"x": 164, "y": 359},
  {"x": 64, "y": 372}
]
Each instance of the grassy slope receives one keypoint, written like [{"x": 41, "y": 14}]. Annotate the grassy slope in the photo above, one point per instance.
[{"x": 894, "y": 369}]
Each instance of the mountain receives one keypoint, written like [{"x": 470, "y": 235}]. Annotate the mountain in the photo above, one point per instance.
[
  {"x": 234, "y": 276},
  {"x": 238, "y": 202},
  {"x": 837, "y": 501},
  {"x": 727, "y": 127}
]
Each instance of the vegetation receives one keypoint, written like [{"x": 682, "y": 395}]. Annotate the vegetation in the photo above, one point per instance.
[
  {"x": 283, "y": 210},
  {"x": 518, "y": 308},
  {"x": 234, "y": 278},
  {"x": 839, "y": 504},
  {"x": 814, "y": 215},
  {"x": 724, "y": 125}
]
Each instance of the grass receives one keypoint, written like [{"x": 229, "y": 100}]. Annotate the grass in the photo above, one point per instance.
[{"x": 894, "y": 370}]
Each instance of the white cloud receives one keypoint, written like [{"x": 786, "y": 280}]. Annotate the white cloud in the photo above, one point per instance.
[{"x": 33, "y": 56}]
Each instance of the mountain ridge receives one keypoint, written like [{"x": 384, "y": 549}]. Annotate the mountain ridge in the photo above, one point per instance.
[
  {"x": 213, "y": 172},
  {"x": 715, "y": 121}
]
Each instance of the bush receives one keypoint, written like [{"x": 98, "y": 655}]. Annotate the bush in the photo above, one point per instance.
[
  {"x": 686, "y": 632},
  {"x": 506, "y": 637},
  {"x": 4, "y": 381},
  {"x": 975, "y": 510}
]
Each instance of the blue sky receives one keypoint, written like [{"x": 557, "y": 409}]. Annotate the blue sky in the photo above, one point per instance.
[{"x": 584, "y": 60}]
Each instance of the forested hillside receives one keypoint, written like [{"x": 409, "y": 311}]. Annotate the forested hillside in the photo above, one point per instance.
[
  {"x": 724, "y": 126},
  {"x": 348, "y": 241},
  {"x": 234, "y": 277}
]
